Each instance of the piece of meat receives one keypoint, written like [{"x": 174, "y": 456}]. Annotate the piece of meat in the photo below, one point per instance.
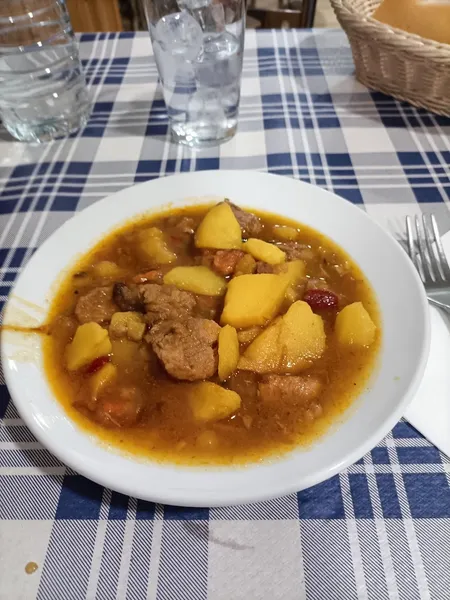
[
  {"x": 222, "y": 261},
  {"x": 225, "y": 261},
  {"x": 315, "y": 283},
  {"x": 296, "y": 251},
  {"x": 205, "y": 258},
  {"x": 180, "y": 233},
  {"x": 244, "y": 383},
  {"x": 250, "y": 224},
  {"x": 276, "y": 389},
  {"x": 121, "y": 410},
  {"x": 97, "y": 305},
  {"x": 263, "y": 267},
  {"x": 208, "y": 307},
  {"x": 63, "y": 328},
  {"x": 127, "y": 297},
  {"x": 186, "y": 225},
  {"x": 166, "y": 302},
  {"x": 246, "y": 336},
  {"x": 183, "y": 224},
  {"x": 155, "y": 276},
  {"x": 313, "y": 412},
  {"x": 187, "y": 348}
]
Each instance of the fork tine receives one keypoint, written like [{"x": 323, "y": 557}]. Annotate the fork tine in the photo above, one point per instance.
[
  {"x": 414, "y": 256},
  {"x": 433, "y": 258},
  {"x": 410, "y": 239},
  {"x": 440, "y": 250},
  {"x": 426, "y": 264}
]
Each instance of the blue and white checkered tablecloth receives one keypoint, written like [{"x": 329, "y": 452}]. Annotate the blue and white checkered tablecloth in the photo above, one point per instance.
[{"x": 381, "y": 529}]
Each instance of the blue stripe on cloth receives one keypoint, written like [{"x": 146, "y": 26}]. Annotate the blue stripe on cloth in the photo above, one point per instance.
[
  {"x": 388, "y": 496},
  {"x": 323, "y": 501},
  {"x": 353, "y": 195},
  {"x": 380, "y": 456},
  {"x": 145, "y": 510},
  {"x": 359, "y": 490},
  {"x": 118, "y": 507},
  {"x": 419, "y": 455},
  {"x": 405, "y": 430},
  {"x": 80, "y": 499},
  {"x": 428, "y": 495},
  {"x": 179, "y": 513},
  {"x": 429, "y": 194},
  {"x": 157, "y": 126},
  {"x": 4, "y": 399},
  {"x": 206, "y": 164}
]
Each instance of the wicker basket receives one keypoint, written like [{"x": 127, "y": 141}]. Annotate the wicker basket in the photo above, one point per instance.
[{"x": 395, "y": 62}]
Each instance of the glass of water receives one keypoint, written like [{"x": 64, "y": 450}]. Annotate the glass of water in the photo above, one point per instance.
[
  {"x": 198, "y": 47},
  {"x": 43, "y": 92}
]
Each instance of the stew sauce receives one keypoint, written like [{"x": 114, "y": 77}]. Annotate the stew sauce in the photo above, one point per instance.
[{"x": 138, "y": 394}]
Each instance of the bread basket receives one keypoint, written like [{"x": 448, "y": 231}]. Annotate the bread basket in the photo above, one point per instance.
[{"x": 395, "y": 62}]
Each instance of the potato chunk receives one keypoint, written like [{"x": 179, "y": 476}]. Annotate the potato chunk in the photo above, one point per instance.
[
  {"x": 268, "y": 253},
  {"x": 211, "y": 402},
  {"x": 265, "y": 353},
  {"x": 288, "y": 345},
  {"x": 354, "y": 326},
  {"x": 219, "y": 229},
  {"x": 153, "y": 247},
  {"x": 228, "y": 351},
  {"x": 127, "y": 324},
  {"x": 89, "y": 342},
  {"x": 107, "y": 269},
  {"x": 246, "y": 266},
  {"x": 302, "y": 337},
  {"x": 253, "y": 299},
  {"x": 294, "y": 271},
  {"x": 285, "y": 233},
  {"x": 127, "y": 355},
  {"x": 102, "y": 378},
  {"x": 199, "y": 280}
]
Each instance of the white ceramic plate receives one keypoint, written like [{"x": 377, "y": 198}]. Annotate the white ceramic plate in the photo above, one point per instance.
[{"x": 403, "y": 353}]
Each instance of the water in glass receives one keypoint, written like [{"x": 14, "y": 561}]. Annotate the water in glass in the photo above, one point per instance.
[
  {"x": 198, "y": 50},
  {"x": 42, "y": 87}
]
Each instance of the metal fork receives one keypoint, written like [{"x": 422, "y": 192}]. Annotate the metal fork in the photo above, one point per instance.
[{"x": 426, "y": 251}]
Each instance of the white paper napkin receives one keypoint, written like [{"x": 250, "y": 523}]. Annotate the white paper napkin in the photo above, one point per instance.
[{"x": 429, "y": 412}]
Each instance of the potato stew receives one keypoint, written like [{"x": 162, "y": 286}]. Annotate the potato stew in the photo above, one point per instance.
[{"x": 211, "y": 335}]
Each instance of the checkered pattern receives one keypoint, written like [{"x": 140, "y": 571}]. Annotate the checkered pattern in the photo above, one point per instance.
[{"x": 381, "y": 529}]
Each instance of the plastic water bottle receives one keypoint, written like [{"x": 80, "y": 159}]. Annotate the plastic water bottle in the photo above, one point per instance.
[{"x": 43, "y": 92}]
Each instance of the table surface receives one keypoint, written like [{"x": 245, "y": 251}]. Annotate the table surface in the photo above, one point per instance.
[{"x": 381, "y": 529}]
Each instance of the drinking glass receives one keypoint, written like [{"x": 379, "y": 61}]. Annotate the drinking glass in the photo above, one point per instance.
[
  {"x": 198, "y": 47},
  {"x": 42, "y": 87}
]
